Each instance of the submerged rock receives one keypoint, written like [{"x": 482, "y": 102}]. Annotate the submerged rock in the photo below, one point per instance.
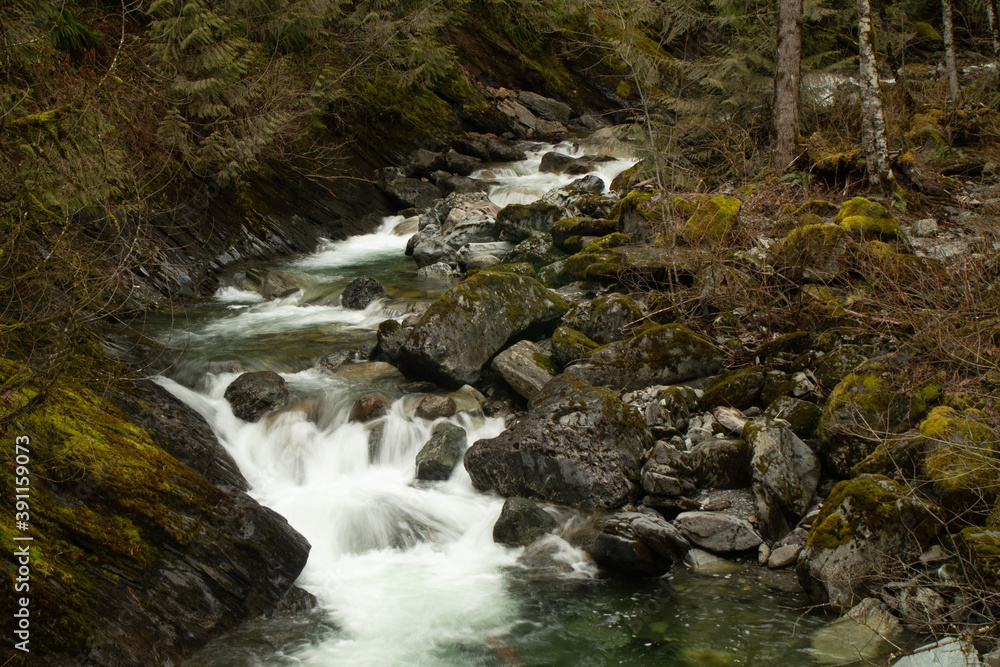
[
  {"x": 521, "y": 522},
  {"x": 868, "y": 633},
  {"x": 252, "y": 395},
  {"x": 472, "y": 321},
  {"x": 578, "y": 445},
  {"x": 440, "y": 455}
]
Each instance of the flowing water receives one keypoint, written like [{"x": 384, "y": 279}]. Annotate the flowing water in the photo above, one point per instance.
[{"x": 406, "y": 573}]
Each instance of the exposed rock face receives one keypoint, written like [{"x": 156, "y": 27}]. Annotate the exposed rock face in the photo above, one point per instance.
[
  {"x": 521, "y": 522},
  {"x": 785, "y": 475},
  {"x": 472, "y": 321},
  {"x": 636, "y": 543},
  {"x": 662, "y": 355},
  {"x": 525, "y": 367},
  {"x": 717, "y": 532},
  {"x": 440, "y": 455},
  {"x": 579, "y": 445},
  {"x": 869, "y": 529},
  {"x": 252, "y": 395},
  {"x": 360, "y": 292}
]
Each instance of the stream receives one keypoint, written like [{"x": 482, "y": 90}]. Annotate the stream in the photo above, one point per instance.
[{"x": 405, "y": 572}]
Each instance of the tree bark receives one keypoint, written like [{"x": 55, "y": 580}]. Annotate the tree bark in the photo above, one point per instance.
[
  {"x": 872, "y": 121},
  {"x": 991, "y": 15},
  {"x": 949, "y": 50},
  {"x": 787, "y": 76}
]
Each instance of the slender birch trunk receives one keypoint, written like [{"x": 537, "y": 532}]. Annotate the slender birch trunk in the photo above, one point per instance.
[
  {"x": 949, "y": 50},
  {"x": 991, "y": 15},
  {"x": 872, "y": 120},
  {"x": 787, "y": 76}
]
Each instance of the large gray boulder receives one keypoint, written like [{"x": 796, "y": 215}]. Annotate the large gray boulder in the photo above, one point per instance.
[
  {"x": 521, "y": 522},
  {"x": 252, "y": 395},
  {"x": 717, "y": 532},
  {"x": 440, "y": 455},
  {"x": 643, "y": 544},
  {"x": 472, "y": 321},
  {"x": 525, "y": 367},
  {"x": 407, "y": 192},
  {"x": 666, "y": 354},
  {"x": 545, "y": 107},
  {"x": 578, "y": 445},
  {"x": 785, "y": 475}
]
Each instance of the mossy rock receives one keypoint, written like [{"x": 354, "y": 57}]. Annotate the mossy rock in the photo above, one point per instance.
[
  {"x": 736, "y": 389},
  {"x": 568, "y": 228},
  {"x": 961, "y": 462},
  {"x": 632, "y": 264},
  {"x": 569, "y": 345},
  {"x": 609, "y": 315},
  {"x": 520, "y": 221},
  {"x": 636, "y": 216},
  {"x": 979, "y": 547},
  {"x": 868, "y": 532},
  {"x": 815, "y": 252},
  {"x": 608, "y": 242},
  {"x": 776, "y": 384},
  {"x": 664, "y": 354},
  {"x": 802, "y": 416},
  {"x": 796, "y": 343},
  {"x": 830, "y": 163},
  {"x": 723, "y": 287},
  {"x": 627, "y": 179},
  {"x": 862, "y": 409},
  {"x": 537, "y": 251},
  {"x": 474, "y": 320},
  {"x": 868, "y": 220},
  {"x": 837, "y": 364},
  {"x": 713, "y": 221},
  {"x": 681, "y": 207},
  {"x": 515, "y": 268}
]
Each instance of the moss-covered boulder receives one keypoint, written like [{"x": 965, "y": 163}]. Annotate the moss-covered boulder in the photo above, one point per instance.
[
  {"x": 520, "y": 221},
  {"x": 472, "y": 321},
  {"x": 609, "y": 315},
  {"x": 794, "y": 343},
  {"x": 665, "y": 354},
  {"x": 636, "y": 216},
  {"x": 736, "y": 389},
  {"x": 440, "y": 455},
  {"x": 802, "y": 416},
  {"x": 815, "y": 252},
  {"x": 139, "y": 531},
  {"x": 566, "y": 230},
  {"x": 637, "y": 264},
  {"x": 861, "y": 410},
  {"x": 820, "y": 207},
  {"x": 615, "y": 240},
  {"x": 714, "y": 220},
  {"x": 537, "y": 251},
  {"x": 868, "y": 532},
  {"x": 521, "y": 522},
  {"x": 979, "y": 548},
  {"x": 838, "y": 363},
  {"x": 569, "y": 345},
  {"x": 868, "y": 220},
  {"x": 961, "y": 462},
  {"x": 579, "y": 445}
]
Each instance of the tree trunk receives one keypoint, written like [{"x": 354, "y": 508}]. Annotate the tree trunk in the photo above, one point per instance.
[
  {"x": 872, "y": 121},
  {"x": 949, "y": 50},
  {"x": 787, "y": 76},
  {"x": 991, "y": 15}
]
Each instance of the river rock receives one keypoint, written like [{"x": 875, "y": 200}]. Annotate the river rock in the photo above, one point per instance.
[
  {"x": 609, "y": 315},
  {"x": 949, "y": 652},
  {"x": 459, "y": 164},
  {"x": 525, "y": 367},
  {"x": 438, "y": 271},
  {"x": 784, "y": 556},
  {"x": 717, "y": 532},
  {"x": 252, "y": 395},
  {"x": 637, "y": 543},
  {"x": 360, "y": 292},
  {"x": 368, "y": 408},
  {"x": 817, "y": 253},
  {"x": 661, "y": 355},
  {"x": 578, "y": 445},
  {"x": 390, "y": 336},
  {"x": 269, "y": 284},
  {"x": 481, "y": 262},
  {"x": 503, "y": 151},
  {"x": 441, "y": 453},
  {"x": 435, "y": 406},
  {"x": 868, "y": 633},
  {"x": 736, "y": 389},
  {"x": 868, "y": 532},
  {"x": 462, "y": 184},
  {"x": 520, "y": 221},
  {"x": 424, "y": 162},
  {"x": 802, "y": 416},
  {"x": 785, "y": 474},
  {"x": 521, "y": 522},
  {"x": 703, "y": 562},
  {"x": 559, "y": 163},
  {"x": 407, "y": 192},
  {"x": 545, "y": 107},
  {"x": 472, "y": 321},
  {"x": 592, "y": 184},
  {"x": 718, "y": 463}
]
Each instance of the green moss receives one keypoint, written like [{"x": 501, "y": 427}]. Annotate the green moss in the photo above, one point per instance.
[
  {"x": 980, "y": 548},
  {"x": 961, "y": 462},
  {"x": 567, "y": 228},
  {"x": 819, "y": 207},
  {"x": 681, "y": 207},
  {"x": 515, "y": 268},
  {"x": 569, "y": 345},
  {"x": 615, "y": 240},
  {"x": 802, "y": 416},
  {"x": 633, "y": 202},
  {"x": 868, "y": 220},
  {"x": 737, "y": 389},
  {"x": 714, "y": 220},
  {"x": 544, "y": 362}
]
